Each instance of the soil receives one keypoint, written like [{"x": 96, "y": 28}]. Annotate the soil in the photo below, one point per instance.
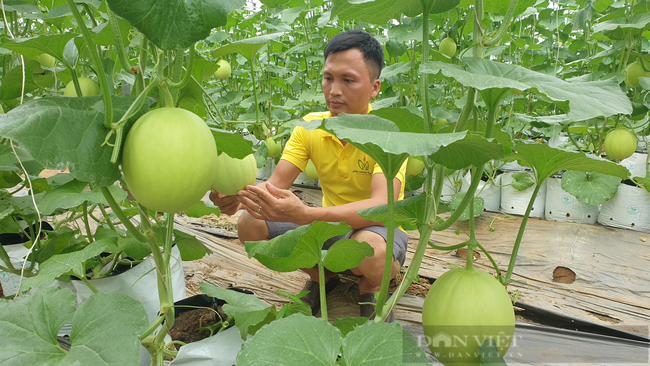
[
  {"x": 420, "y": 287},
  {"x": 187, "y": 324}
]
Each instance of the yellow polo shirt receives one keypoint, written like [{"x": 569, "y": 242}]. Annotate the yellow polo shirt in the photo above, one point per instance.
[{"x": 344, "y": 172}]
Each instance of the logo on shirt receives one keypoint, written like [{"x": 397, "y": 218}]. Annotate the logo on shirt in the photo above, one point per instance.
[{"x": 363, "y": 165}]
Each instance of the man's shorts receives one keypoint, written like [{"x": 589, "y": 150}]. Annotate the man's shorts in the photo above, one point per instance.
[{"x": 400, "y": 239}]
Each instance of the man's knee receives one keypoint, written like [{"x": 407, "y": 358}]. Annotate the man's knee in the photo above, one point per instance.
[{"x": 251, "y": 229}]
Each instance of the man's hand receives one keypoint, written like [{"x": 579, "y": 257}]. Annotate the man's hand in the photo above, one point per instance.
[
  {"x": 227, "y": 204},
  {"x": 273, "y": 204}
]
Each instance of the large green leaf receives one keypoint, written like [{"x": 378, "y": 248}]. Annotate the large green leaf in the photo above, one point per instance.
[
  {"x": 233, "y": 144},
  {"x": 246, "y": 47},
  {"x": 377, "y": 137},
  {"x": 590, "y": 188},
  {"x": 637, "y": 21},
  {"x": 21, "y": 7},
  {"x": 294, "y": 250},
  {"x": 580, "y": 100},
  {"x": 346, "y": 254},
  {"x": 379, "y": 343},
  {"x": 103, "y": 324},
  {"x": 68, "y": 263},
  {"x": 249, "y": 311},
  {"x": 60, "y": 132},
  {"x": 294, "y": 340},
  {"x": 409, "y": 213},
  {"x": 501, "y": 6},
  {"x": 12, "y": 82},
  {"x": 547, "y": 161},
  {"x": 381, "y": 11},
  {"x": 73, "y": 194},
  {"x": 50, "y": 44},
  {"x": 175, "y": 24}
]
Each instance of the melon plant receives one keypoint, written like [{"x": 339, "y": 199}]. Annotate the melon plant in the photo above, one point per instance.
[
  {"x": 620, "y": 143},
  {"x": 464, "y": 308},
  {"x": 169, "y": 159},
  {"x": 232, "y": 175}
]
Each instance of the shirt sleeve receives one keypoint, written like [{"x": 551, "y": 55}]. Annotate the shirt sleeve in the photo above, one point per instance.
[{"x": 296, "y": 150}]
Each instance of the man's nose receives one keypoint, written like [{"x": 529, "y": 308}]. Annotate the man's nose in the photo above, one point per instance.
[{"x": 336, "y": 88}]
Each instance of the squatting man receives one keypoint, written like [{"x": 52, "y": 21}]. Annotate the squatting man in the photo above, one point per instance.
[{"x": 353, "y": 62}]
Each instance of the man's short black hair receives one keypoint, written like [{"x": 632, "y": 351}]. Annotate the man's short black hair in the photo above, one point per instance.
[{"x": 373, "y": 53}]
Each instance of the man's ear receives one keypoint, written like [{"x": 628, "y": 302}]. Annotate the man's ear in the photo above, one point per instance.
[{"x": 376, "y": 86}]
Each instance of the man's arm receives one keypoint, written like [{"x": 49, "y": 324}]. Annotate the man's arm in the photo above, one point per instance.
[{"x": 277, "y": 203}]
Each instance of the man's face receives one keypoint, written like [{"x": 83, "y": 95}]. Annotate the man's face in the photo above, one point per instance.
[{"x": 347, "y": 83}]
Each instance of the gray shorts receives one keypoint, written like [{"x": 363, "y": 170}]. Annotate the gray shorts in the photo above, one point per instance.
[{"x": 400, "y": 239}]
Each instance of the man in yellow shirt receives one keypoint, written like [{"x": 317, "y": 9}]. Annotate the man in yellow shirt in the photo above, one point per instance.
[{"x": 350, "y": 180}]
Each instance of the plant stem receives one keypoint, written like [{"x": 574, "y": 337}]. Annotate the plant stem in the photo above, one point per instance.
[
  {"x": 107, "y": 217},
  {"x": 97, "y": 62},
  {"x": 90, "y": 285},
  {"x": 321, "y": 284},
  {"x": 424, "y": 86},
  {"x": 504, "y": 25},
  {"x": 388, "y": 262},
  {"x": 117, "y": 210},
  {"x": 520, "y": 234},
  {"x": 476, "y": 178},
  {"x": 87, "y": 223},
  {"x": 119, "y": 45},
  {"x": 188, "y": 72}
]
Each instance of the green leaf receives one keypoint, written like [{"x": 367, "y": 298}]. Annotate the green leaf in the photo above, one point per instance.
[
  {"x": 12, "y": 82},
  {"x": 60, "y": 132},
  {"x": 501, "y": 6},
  {"x": 381, "y": 11},
  {"x": 30, "y": 325},
  {"x": 490, "y": 355},
  {"x": 231, "y": 143},
  {"x": 348, "y": 324},
  {"x": 249, "y": 311},
  {"x": 73, "y": 194},
  {"x": 479, "y": 205},
  {"x": 122, "y": 321},
  {"x": 68, "y": 263},
  {"x": 202, "y": 209},
  {"x": 294, "y": 250},
  {"x": 409, "y": 213},
  {"x": 133, "y": 248},
  {"x": 522, "y": 181},
  {"x": 238, "y": 302},
  {"x": 590, "y": 188},
  {"x": 104, "y": 35},
  {"x": 379, "y": 343},
  {"x": 636, "y": 21},
  {"x": 403, "y": 118},
  {"x": 175, "y": 24},
  {"x": 346, "y": 254},
  {"x": 547, "y": 161},
  {"x": 580, "y": 100},
  {"x": 247, "y": 47},
  {"x": 53, "y": 45},
  {"x": 377, "y": 136},
  {"x": 294, "y": 340},
  {"x": 190, "y": 247},
  {"x": 21, "y": 7}
]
